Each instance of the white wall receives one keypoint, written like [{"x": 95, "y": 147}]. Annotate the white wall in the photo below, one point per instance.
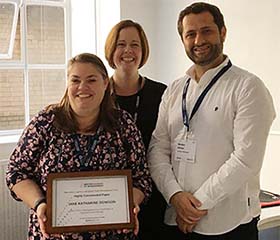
[
  {"x": 252, "y": 43},
  {"x": 145, "y": 13},
  {"x": 88, "y": 36},
  {"x": 108, "y": 14},
  {"x": 83, "y": 27}
]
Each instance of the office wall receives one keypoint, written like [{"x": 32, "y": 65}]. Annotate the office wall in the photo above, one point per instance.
[
  {"x": 252, "y": 43},
  {"x": 144, "y": 12}
]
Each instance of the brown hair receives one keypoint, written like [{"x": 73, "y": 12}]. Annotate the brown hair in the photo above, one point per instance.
[
  {"x": 200, "y": 7},
  {"x": 111, "y": 41},
  {"x": 64, "y": 114}
]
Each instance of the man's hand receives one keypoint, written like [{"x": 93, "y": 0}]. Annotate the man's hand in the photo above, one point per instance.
[
  {"x": 183, "y": 226},
  {"x": 186, "y": 206}
]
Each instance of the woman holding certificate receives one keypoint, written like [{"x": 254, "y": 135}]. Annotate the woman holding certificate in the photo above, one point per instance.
[{"x": 84, "y": 132}]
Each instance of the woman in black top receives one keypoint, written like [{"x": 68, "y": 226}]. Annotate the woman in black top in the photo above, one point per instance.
[{"x": 127, "y": 50}]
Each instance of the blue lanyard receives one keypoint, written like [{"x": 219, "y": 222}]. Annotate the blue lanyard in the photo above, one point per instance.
[
  {"x": 186, "y": 118},
  {"x": 85, "y": 159},
  {"x": 137, "y": 103}
]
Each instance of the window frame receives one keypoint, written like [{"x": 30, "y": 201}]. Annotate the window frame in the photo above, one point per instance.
[
  {"x": 22, "y": 63},
  {"x": 17, "y": 4}
]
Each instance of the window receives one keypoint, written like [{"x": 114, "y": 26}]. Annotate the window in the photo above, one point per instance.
[
  {"x": 8, "y": 20},
  {"x": 33, "y": 75}
]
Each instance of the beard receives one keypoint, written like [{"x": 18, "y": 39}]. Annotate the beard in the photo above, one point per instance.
[{"x": 214, "y": 51}]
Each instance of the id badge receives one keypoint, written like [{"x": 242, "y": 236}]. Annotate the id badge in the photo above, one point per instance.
[{"x": 185, "y": 150}]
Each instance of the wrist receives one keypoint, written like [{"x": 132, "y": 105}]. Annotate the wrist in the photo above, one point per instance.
[
  {"x": 138, "y": 196},
  {"x": 173, "y": 198},
  {"x": 38, "y": 202}
]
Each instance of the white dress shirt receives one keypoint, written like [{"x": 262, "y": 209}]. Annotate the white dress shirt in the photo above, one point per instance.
[{"x": 230, "y": 127}]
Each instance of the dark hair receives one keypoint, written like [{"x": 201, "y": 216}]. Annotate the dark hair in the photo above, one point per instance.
[
  {"x": 112, "y": 38},
  {"x": 64, "y": 115},
  {"x": 200, "y": 7}
]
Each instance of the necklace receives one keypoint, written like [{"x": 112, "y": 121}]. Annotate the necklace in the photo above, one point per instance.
[{"x": 137, "y": 103}]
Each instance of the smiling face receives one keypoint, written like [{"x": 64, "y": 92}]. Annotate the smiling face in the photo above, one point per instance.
[
  {"x": 128, "y": 53},
  {"x": 86, "y": 88},
  {"x": 202, "y": 39}
]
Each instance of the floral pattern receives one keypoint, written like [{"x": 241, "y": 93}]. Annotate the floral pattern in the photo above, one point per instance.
[{"x": 43, "y": 149}]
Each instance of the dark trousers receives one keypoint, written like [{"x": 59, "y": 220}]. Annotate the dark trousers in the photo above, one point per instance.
[
  {"x": 151, "y": 217},
  {"x": 248, "y": 231}
]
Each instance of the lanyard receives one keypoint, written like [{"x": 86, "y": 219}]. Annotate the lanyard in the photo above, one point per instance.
[
  {"x": 84, "y": 159},
  {"x": 136, "y": 107},
  {"x": 186, "y": 118},
  {"x": 137, "y": 103}
]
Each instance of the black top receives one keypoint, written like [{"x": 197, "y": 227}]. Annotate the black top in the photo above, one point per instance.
[
  {"x": 150, "y": 97},
  {"x": 152, "y": 213}
]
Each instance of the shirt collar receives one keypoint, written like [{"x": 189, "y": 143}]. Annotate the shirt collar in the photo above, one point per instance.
[{"x": 208, "y": 75}]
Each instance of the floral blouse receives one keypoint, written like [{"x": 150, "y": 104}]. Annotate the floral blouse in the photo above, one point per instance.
[{"x": 43, "y": 149}]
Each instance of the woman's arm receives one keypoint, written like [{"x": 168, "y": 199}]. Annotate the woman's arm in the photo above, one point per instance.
[
  {"x": 23, "y": 175},
  {"x": 24, "y": 161},
  {"x": 28, "y": 191}
]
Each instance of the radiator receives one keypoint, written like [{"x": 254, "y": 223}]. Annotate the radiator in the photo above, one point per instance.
[{"x": 13, "y": 214}]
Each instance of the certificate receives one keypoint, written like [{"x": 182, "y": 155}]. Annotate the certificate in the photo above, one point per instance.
[{"x": 89, "y": 201}]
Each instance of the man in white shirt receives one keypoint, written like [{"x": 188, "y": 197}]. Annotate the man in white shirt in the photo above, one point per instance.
[{"x": 207, "y": 149}]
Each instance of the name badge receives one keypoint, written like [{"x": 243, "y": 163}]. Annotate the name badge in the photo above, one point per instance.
[{"x": 185, "y": 150}]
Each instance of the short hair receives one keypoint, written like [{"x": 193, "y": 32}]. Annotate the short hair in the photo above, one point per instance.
[
  {"x": 64, "y": 114},
  {"x": 111, "y": 41},
  {"x": 200, "y": 7}
]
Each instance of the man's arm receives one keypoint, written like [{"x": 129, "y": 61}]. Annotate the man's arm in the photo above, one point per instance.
[
  {"x": 254, "y": 116},
  {"x": 159, "y": 157},
  {"x": 159, "y": 153}
]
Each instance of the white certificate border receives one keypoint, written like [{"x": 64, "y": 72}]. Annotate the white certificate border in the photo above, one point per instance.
[{"x": 56, "y": 189}]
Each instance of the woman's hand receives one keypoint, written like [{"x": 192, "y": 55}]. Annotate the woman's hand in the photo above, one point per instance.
[
  {"x": 42, "y": 218},
  {"x": 136, "y": 210},
  {"x": 138, "y": 197}
]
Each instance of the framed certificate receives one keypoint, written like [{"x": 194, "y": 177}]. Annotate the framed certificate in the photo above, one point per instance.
[{"x": 89, "y": 201}]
